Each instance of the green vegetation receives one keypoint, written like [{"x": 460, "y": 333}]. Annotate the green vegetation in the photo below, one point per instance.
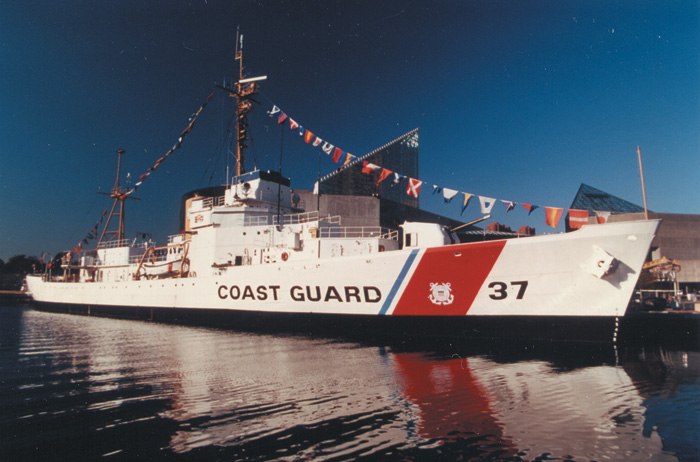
[{"x": 13, "y": 271}]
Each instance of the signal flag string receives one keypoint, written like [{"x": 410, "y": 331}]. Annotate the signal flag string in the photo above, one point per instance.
[
  {"x": 552, "y": 214},
  {"x": 175, "y": 147},
  {"x": 92, "y": 234}
]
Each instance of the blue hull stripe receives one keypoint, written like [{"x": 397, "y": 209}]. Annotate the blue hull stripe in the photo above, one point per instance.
[{"x": 399, "y": 281}]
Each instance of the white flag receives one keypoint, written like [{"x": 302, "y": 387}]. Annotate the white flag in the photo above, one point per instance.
[
  {"x": 602, "y": 217},
  {"x": 486, "y": 204},
  {"x": 274, "y": 111},
  {"x": 449, "y": 194}
]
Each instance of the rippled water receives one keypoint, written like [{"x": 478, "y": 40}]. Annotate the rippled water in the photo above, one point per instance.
[{"x": 82, "y": 388}]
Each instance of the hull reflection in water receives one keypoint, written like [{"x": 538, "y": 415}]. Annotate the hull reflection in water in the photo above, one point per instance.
[
  {"x": 527, "y": 408},
  {"x": 102, "y": 387}
]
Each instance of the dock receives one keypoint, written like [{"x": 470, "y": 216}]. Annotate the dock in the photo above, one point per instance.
[
  {"x": 14, "y": 297},
  {"x": 669, "y": 327}
]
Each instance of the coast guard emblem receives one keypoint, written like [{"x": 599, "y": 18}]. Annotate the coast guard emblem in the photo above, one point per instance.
[{"x": 441, "y": 294}]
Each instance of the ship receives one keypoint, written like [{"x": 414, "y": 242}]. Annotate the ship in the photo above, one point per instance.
[{"x": 252, "y": 257}]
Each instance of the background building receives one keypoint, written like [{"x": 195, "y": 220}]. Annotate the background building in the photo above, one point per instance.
[
  {"x": 594, "y": 200},
  {"x": 400, "y": 155},
  {"x": 356, "y": 196},
  {"x": 362, "y": 201}
]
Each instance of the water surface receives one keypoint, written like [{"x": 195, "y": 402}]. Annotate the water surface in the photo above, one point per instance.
[{"x": 85, "y": 388}]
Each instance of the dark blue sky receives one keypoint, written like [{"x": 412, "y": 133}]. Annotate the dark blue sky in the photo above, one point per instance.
[{"x": 516, "y": 100}]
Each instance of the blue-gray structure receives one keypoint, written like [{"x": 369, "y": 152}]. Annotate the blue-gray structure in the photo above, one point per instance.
[
  {"x": 400, "y": 156},
  {"x": 595, "y": 200}
]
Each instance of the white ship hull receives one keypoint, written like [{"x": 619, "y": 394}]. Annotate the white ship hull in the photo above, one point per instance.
[{"x": 551, "y": 276}]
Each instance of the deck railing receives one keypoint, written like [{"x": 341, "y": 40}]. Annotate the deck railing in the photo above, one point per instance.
[
  {"x": 113, "y": 244},
  {"x": 293, "y": 219},
  {"x": 357, "y": 232}
]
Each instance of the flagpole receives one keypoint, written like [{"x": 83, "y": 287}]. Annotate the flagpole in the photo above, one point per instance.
[
  {"x": 641, "y": 173},
  {"x": 279, "y": 186},
  {"x": 318, "y": 193}
]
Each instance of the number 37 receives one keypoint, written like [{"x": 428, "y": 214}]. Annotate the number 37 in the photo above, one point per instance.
[{"x": 500, "y": 290}]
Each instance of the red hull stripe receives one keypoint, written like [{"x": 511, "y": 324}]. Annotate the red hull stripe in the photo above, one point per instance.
[{"x": 464, "y": 267}]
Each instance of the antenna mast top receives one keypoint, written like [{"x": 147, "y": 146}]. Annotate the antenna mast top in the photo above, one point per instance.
[
  {"x": 239, "y": 53},
  {"x": 244, "y": 91}
]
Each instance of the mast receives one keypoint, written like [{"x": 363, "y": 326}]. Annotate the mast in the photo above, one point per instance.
[
  {"x": 641, "y": 174},
  {"x": 119, "y": 195},
  {"x": 244, "y": 91}
]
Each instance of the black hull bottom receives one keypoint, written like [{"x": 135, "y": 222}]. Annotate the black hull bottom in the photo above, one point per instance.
[{"x": 535, "y": 329}]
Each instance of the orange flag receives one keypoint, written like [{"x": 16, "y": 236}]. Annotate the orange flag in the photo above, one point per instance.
[
  {"x": 308, "y": 137},
  {"x": 385, "y": 173},
  {"x": 553, "y": 216}
]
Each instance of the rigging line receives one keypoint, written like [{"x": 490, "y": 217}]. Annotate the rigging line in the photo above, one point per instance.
[
  {"x": 269, "y": 101},
  {"x": 279, "y": 186},
  {"x": 215, "y": 167},
  {"x": 206, "y": 168},
  {"x": 261, "y": 93},
  {"x": 219, "y": 151},
  {"x": 211, "y": 175},
  {"x": 222, "y": 145},
  {"x": 192, "y": 119},
  {"x": 255, "y": 151}
]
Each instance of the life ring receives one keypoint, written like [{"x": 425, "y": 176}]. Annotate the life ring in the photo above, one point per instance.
[{"x": 284, "y": 256}]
